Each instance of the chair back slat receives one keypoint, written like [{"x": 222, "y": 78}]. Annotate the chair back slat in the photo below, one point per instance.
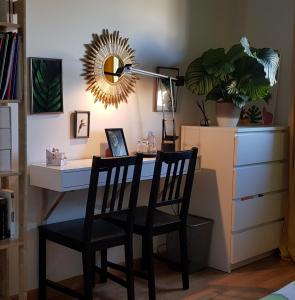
[
  {"x": 166, "y": 184},
  {"x": 179, "y": 179},
  {"x": 106, "y": 168},
  {"x": 106, "y": 191},
  {"x": 183, "y": 165},
  {"x": 173, "y": 180},
  {"x": 115, "y": 186},
  {"x": 122, "y": 188}
]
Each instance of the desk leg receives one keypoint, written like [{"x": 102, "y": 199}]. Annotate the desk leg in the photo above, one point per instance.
[{"x": 52, "y": 207}]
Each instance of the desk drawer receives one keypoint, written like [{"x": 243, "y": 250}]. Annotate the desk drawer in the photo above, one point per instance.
[
  {"x": 259, "y": 147},
  {"x": 5, "y": 139},
  {"x": 256, "y": 241},
  {"x": 260, "y": 179},
  {"x": 259, "y": 210},
  {"x": 75, "y": 179}
]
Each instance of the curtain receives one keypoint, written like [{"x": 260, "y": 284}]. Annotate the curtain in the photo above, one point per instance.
[{"x": 287, "y": 245}]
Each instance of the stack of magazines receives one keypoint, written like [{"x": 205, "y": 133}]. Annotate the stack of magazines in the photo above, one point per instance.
[{"x": 9, "y": 45}]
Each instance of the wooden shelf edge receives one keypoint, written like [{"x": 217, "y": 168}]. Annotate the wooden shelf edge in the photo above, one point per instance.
[
  {"x": 6, "y": 101},
  {"x": 9, "y": 173},
  {"x": 9, "y": 25},
  {"x": 9, "y": 243}
]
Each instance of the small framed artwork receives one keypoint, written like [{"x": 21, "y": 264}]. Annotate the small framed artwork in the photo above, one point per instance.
[
  {"x": 46, "y": 85},
  {"x": 116, "y": 141},
  {"x": 163, "y": 95},
  {"x": 81, "y": 124}
]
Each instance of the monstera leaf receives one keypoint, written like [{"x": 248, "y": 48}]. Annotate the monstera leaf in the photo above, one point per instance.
[
  {"x": 197, "y": 79},
  {"x": 46, "y": 86},
  {"x": 267, "y": 57}
]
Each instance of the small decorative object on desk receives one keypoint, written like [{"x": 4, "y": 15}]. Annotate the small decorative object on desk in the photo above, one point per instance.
[
  {"x": 55, "y": 158},
  {"x": 148, "y": 146}
]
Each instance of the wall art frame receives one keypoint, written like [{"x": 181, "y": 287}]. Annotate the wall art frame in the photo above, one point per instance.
[
  {"x": 117, "y": 142},
  {"x": 161, "y": 88},
  {"x": 46, "y": 86},
  {"x": 81, "y": 124}
]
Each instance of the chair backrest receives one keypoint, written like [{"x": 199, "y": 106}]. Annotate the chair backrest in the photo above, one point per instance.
[
  {"x": 176, "y": 189},
  {"x": 112, "y": 174}
]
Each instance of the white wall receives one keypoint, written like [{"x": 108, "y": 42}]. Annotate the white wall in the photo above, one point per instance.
[
  {"x": 270, "y": 23},
  {"x": 165, "y": 32}
]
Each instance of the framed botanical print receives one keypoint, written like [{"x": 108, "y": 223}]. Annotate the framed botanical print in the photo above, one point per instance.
[
  {"x": 81, "y": 124},
  {"x": 46, "y": 85}
]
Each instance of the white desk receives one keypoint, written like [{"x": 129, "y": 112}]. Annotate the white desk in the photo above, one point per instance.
[{"x": 75, "y": 175}]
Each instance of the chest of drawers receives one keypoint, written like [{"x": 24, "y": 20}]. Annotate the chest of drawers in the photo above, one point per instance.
[{"x": 243, "y": 186}]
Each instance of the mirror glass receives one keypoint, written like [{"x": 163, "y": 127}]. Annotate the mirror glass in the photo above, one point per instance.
[{"x": 111, "y": 66}]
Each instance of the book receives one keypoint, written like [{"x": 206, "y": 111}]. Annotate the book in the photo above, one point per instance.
[
  {"x": 11, "y": 224},
  {"x": 3, "y": 57},
  {"x": 4, "y": 11},
  {"x": 8, "y": 64},
  {"x": 4, "y": 234}
]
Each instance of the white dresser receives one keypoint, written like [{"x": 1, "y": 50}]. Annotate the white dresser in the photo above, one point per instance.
[{"x": 242, "y": 186}]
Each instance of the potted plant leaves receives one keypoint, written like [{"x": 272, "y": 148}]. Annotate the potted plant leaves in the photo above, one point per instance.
[{"x": 233, "y": 78}]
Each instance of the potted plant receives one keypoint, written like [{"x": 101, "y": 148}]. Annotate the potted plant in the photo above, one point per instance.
[{"x": 233, "y": 78}]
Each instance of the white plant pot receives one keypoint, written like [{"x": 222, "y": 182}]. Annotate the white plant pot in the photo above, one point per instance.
[{"x": 227, "y": 114}]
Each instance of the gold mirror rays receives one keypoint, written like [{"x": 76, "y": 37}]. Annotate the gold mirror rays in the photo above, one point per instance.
[{"x": 102, "y": 57}]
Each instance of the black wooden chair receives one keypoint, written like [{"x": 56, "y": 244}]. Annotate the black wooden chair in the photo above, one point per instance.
[
  {"x": 93, "y": 233},
  {"x": 150, "y": 221}
]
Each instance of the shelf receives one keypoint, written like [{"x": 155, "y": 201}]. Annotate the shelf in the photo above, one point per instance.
[
  {"x": 9, "y": 173},
  {"x": 4, "y": 101},
  {"x": 9, "y": 243},
  {"x": 9, "y": 25}
]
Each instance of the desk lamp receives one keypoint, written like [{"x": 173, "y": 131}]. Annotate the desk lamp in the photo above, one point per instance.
[{"x": 168, "y": 141}]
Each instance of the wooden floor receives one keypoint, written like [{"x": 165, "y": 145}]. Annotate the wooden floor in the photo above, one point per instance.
[{"x": 251, "y": 282}]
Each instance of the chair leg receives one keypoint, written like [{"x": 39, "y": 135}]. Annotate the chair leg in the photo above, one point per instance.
[
  {"x": 42, "y": 267},
  {"x": 129, "y": 269},
  {"x": 150, "y": 269},
  {"x": 184, "y": 257},
  {"x": 93, "y": 268},
  {"x": 87, "y": 259},
  {"x": 103, "y": 265}
]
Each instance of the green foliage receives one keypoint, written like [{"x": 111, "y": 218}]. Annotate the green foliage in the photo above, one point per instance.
[
  {"x": 242, "y": 74},
  {"x": 46, "y": 86}
]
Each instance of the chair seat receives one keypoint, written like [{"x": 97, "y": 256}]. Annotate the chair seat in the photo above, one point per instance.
[
  {"x": 163, "y": 222},
  {"x": 71, "y": 232}
]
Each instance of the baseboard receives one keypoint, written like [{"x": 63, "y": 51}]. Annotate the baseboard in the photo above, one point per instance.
[{"x": 75, "y": 283}]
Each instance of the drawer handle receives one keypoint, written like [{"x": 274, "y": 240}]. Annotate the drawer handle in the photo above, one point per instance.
[{"x": 251, "y": 197}]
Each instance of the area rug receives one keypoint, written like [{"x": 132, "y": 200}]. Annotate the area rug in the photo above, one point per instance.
[{"x": 285, "y": 293}]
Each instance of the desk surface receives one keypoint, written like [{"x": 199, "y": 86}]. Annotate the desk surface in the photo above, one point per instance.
[{"x": 75, "y": 174}]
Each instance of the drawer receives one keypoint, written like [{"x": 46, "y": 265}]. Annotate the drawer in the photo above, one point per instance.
[
  {"x": 5, "y": 117},
  {"x": 259, "y": 147},
  {"x": 5, "y": 160},
  {"x": 75, "y": 179},
  {"x": 5, "y": 139},
  {"x": 256, "y": 241},
  {"x": 260, "y": 179},
  {"x": 258, "y": 210}
]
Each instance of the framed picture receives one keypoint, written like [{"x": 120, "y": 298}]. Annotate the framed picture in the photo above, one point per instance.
[
  {"x": 163, "y": 95},
  {"x": 116, "y": 141},
  {"x": 46, "y": 85},
  {"x": 81, "y": 124}
]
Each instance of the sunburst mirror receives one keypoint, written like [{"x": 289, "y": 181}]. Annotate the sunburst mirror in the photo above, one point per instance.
[{"x": 103, "y": 56}]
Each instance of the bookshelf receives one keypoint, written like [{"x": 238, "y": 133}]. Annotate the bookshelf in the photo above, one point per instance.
[{"x": 19, "y": 174}]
